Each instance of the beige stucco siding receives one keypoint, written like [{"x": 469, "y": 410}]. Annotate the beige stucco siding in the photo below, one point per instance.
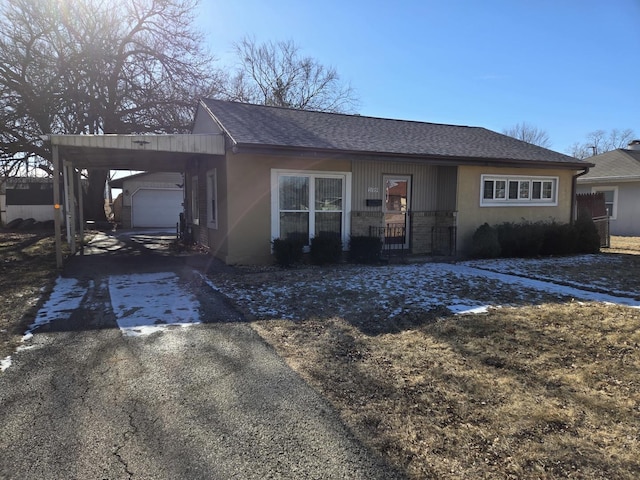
[
  {"x": 471, "y": 215},
  {"x": 249, "y": 197}
]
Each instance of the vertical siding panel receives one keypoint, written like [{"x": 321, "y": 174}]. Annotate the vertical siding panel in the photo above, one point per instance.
[
  {"x": 424, "y": 188},
  {"x": 447, "y": 184}
]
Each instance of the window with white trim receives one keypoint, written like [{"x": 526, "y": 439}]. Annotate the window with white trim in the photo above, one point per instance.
[
  {"x": 306, "y": 204},
  {"x": 195, "y": 205},
  {"x": 610, "y": 199},
  {"x": 212, "y": 199},
  {"x": 511, "y": 190}
]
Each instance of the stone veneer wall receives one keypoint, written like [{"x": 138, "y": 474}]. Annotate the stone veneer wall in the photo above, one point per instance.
[
  {"x": 422, "y": 224},
  {"x": 421, "y": 228},
  {"x": 361, "y": 221}
]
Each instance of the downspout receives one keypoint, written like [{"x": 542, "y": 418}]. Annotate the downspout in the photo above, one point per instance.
[{"x": 574, "y": 182}]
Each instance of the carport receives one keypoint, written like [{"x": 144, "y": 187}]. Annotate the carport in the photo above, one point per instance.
[{"x": 152, "y": 153}]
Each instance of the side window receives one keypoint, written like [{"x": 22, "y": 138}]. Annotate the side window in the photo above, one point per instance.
[
  {"x": 212, "y": 199},
  {"x": 610, "y": 200},
  {"x": 511, "y": 190}
]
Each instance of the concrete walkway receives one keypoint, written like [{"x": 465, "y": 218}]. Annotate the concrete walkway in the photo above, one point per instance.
[{"x": 211, "y": 401}]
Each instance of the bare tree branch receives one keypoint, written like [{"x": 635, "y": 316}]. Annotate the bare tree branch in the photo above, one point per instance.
[
  {"x": 528, "y": 133},
  {"x": 601, "y": 141},
  {"x": 274, "y": 73},
  {"x": 97, "y": 66}
]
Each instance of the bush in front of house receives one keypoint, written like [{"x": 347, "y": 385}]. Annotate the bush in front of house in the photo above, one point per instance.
[
  {"x": 587, "y": 237},
  {"x": 325, "y": 248},
  {"x": 559, "y": 239},
  {"x": 485, "y": 242},
  {"x": 520, "y": 239},
  {"x": 365, "y": 249},
  {"x": 287, "y": 251},
  {"x": 534, "y": 239}
]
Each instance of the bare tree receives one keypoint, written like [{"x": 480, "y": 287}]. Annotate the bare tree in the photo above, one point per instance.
[
  {"x": 97, "y": 66},
  {"x": 601, "y": 141},
  {"x": 528, "y": 133},
  {"x": 275, "y": 73}
]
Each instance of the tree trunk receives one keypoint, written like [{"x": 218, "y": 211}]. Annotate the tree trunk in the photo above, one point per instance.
[{"x": 94, "y": 196}]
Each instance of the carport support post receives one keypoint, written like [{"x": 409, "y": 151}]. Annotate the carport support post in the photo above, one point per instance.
[
  {"x": 70, "y": 205},
  {"x": 57, "y": 220},
  {"x": 80, "y": 209}
]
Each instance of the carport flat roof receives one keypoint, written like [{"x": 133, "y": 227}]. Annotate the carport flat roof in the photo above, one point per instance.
[{"x": 164, "y": 153}]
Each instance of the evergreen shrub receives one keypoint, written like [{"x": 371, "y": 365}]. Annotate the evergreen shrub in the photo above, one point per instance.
[
  {"x": 287, "y": 251},
  {"x": 325, "y": 248},
  {"x": 365, "y": 249}
]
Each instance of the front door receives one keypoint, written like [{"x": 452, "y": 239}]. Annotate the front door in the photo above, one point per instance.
[{"x": 397, "y": 197}]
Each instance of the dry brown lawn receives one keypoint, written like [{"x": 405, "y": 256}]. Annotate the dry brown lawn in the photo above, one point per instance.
[
  {"x": 27, "y": 273},
  {"x": 628, "y": 245},
  {"x": 550, "y": 390},
  {"x": 546, "y": 391}
]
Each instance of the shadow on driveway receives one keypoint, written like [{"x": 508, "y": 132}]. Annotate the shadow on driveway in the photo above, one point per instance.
[{"x": 211, "y": 401}]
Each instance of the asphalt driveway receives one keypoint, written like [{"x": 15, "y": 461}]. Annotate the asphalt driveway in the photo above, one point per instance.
[{"x": 206, "y": 400}]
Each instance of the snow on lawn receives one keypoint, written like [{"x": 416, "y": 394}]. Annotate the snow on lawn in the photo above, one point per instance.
[
  {"x": 146, "y": 303},
  {"x": 589, "y": 272},
  {"x": 395, "y": 290}
]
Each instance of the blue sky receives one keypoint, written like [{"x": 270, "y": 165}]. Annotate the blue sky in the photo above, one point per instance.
[{"x": 568, "y": 67}]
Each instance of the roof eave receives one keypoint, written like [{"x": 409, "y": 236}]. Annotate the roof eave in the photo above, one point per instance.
[
  {"x": 618, "y": 179},
  {"x": 418, "y": 157}
]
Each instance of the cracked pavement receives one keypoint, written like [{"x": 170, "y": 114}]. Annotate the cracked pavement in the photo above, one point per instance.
[{"x": 211, "y": 401}]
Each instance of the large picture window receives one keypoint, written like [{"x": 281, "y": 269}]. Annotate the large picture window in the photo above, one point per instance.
[
  {"x": 306, "y": 204},
  {"x": 510, "y": 190}
]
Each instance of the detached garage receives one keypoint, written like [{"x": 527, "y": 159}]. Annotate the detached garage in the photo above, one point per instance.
[{"x": 149, "y": 200}]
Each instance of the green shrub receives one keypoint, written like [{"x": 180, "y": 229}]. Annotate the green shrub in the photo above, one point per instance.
[
  {"x": 365, "y": 249},
  {"x": 521, "y": 240},
  {"x": 587, "y": 237},
  {"x": 326, "y": 248},
  {"x": 559, "y": 239},
  {"x": 287, "y": 251},
  {"x": 485, "y": 242},
  {"x": 532, "y": 239}
]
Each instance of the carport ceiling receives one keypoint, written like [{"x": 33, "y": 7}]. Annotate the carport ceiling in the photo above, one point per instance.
[{"x": 160, "y": 153}]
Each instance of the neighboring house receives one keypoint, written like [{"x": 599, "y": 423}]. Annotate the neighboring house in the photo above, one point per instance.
[
  {"x": 26, "y": 197},
  {"x": 617, "y": 175},
  {"x": 288, "y": 172},
  {"x": 150, "y": 199}
]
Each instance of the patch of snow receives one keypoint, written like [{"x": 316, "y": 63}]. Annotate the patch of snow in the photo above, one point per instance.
[
  {"x": 553, "y": 288},
  {"x": 65, "y": 297},
  {"x": 397, "y": 289},
  {"x": 467, "y": 309},
  {"x": 5, "y": 363},
  {"x": 147, "y": 303}
]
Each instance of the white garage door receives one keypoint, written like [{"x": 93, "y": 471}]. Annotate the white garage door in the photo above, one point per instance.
[{"x": 154, "y": 207}]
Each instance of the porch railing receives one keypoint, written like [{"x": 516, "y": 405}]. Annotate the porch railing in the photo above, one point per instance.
[
  {"x": 443, "y": 240},
  {"x": 393, "y": 236}
]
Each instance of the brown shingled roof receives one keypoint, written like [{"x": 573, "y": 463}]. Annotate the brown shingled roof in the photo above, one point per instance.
[{"x": 251, "y": 125}]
